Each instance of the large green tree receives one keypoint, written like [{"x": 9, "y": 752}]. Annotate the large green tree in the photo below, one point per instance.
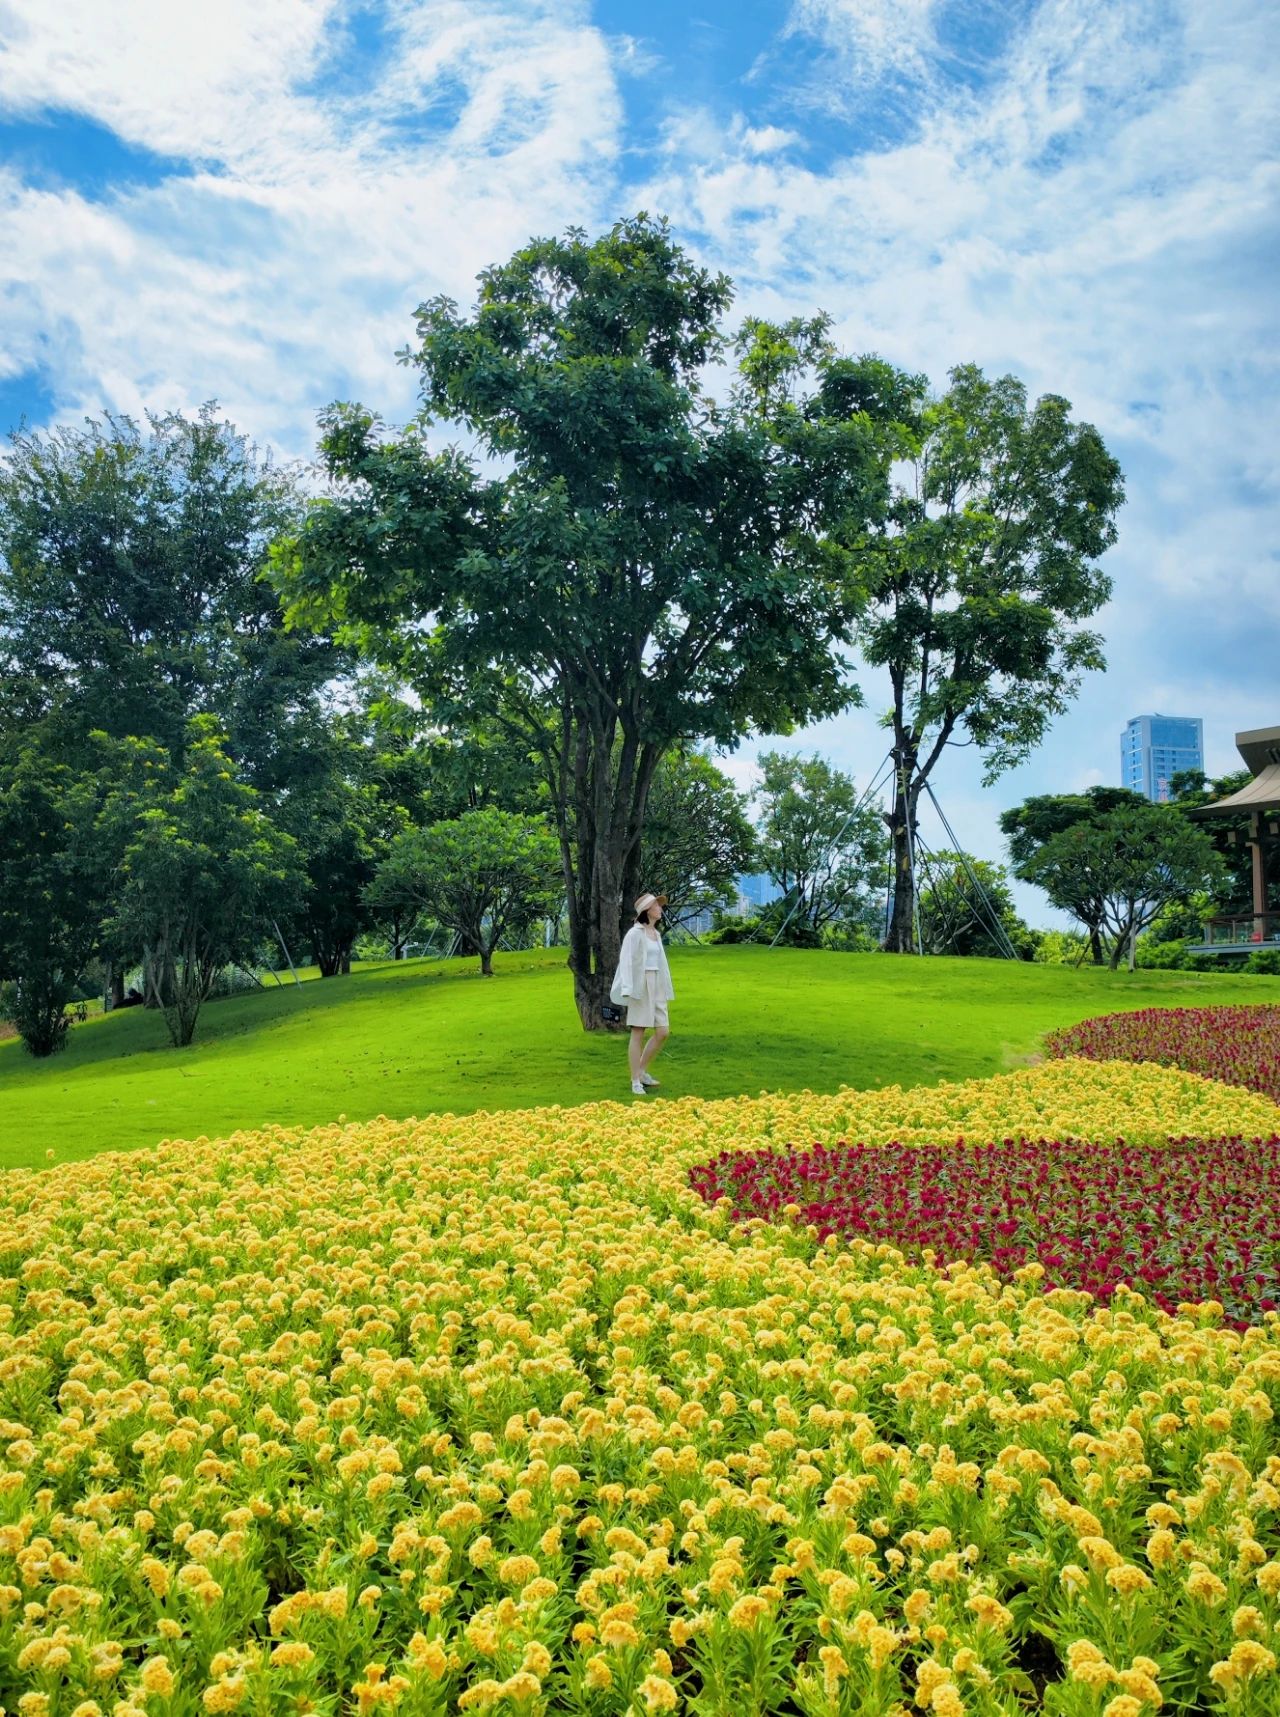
[
  {"x": 203, "y": 870},
  {"x": 130, "y": 595},
  {"x": 1117, "y": 872},
  {"x": 644, "y": 562},
  {"x": 983, "y": 569}
]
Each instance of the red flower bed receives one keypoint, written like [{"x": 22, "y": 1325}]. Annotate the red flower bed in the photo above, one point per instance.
[
  {"x": 1240, "y": 1046},
  {"x": 1194, "y": 1220}
]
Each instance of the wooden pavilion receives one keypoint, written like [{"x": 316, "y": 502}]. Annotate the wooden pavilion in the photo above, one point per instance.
[{"x": 1256, "y": 811}]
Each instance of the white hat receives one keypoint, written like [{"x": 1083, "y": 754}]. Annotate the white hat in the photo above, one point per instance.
[{"x": 647, "y": 900}]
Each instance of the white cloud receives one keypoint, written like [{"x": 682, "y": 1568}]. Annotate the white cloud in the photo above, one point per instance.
[
  {"x": 871, "y": 38},
  {"x": 286, "y": 272}
]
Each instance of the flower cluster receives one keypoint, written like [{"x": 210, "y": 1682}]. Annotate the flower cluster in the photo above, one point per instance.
[
  {"x": 1197, "y": 1220},
  {"x": 495, "y": 1413},
  {"x": 1240, "y": 1045}
]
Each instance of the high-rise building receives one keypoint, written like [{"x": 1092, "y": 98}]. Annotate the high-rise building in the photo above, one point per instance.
[
  {"x": 1154, "y": 748},
  {"x": 754, "y": 892}
]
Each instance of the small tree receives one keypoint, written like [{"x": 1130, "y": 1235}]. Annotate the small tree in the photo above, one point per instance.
[
  {"x": 1028, "y": 826},
  {"x": 202, "y": 871},
  {"x": 49, "y": 912},
  {"x": 1118, "y": 872},
  {"x": 957, "y": 918},
  {"x": 481, "y": 875},
  {"x": 822, "y": 848},
  {"x": 697, "y": 836}
]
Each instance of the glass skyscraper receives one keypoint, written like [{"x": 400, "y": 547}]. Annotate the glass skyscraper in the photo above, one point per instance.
[{"x": 1154, "y": 748}]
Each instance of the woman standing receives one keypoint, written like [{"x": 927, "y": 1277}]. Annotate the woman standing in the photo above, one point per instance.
[{"x": 643, "y": 981}]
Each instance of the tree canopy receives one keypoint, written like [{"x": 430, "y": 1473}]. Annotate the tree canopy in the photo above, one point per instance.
[
  {"x": 480, "y": 875},
  {"x": 983, "y": 569},
  {"x": 644, "y": 562},
  {"x": 1117, "y": 872},
  {"x": 821, "y": 841}
]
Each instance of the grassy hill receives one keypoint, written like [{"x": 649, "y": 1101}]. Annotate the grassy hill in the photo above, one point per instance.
[{"x": 420, "y": 1036}]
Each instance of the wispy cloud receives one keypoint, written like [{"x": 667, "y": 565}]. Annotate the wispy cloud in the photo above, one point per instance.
[{"x": 283, "y": 270}]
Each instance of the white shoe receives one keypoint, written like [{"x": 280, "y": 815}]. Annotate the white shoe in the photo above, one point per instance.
[
  {"x": 637, "y": 1088},
  {"x": 649, "y": 1082}
]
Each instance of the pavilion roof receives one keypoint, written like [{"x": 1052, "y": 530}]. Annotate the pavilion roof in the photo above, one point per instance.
[{"x": 1260, "y": 749}]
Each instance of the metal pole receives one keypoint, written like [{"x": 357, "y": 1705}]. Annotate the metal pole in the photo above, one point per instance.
[{"x": 998, "y": 930}]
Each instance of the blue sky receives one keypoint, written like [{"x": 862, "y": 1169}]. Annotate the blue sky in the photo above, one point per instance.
[{"x": 245, "y": 200}]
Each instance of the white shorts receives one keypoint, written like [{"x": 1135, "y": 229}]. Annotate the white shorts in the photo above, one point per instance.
[{"x": 648, "y": 1010}]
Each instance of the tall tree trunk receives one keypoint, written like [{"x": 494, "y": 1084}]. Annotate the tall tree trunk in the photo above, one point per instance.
[
  {"x": 601, "y": 816},
  {"x": 900, "y": 938},
  {"x": 1095, "y": 944}
]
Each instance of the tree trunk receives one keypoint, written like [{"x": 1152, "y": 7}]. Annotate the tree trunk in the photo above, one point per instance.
[
  {"x": 1095, "y": 944},
  {"x": 900, "y": 938},
  {"x": 113, "y": 996},
  {"x": 486, "y": 960}
]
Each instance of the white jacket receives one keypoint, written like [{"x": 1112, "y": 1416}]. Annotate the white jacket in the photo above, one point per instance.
[{"x": 628, "y": 981}]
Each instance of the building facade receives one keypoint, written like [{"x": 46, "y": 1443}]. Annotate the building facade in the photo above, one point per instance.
[
  {"x": 1155, "y": 748},
  {"x": 755, "y": 892}
]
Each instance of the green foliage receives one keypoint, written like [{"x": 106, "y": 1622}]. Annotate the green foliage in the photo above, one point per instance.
[
  {"x": 957, "y": 918},
  {"x": 202, "y": 870},
  {"x": 48, "y": 911},
  {"x": 1028, "y": 826},
  {"x": 697, "y": 837},
  {"x": 129, "y": 591},
  {"x": 1115, "y": 873},
  {"x": 481, "y": 875},
  {"x": 822, "y": 848},
  {"x": 652, "y": 565},
  {"x": 982, "y": 570},
  {"x": 1061, "y": 948}
]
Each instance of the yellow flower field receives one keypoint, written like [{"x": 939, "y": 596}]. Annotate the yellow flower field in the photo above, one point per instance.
[{"x": 492, "y": 1412}]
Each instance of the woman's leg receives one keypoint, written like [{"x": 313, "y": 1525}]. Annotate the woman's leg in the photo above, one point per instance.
[
  {"x": 635, "y": 1051},
  {"x": 660, "y": 1035}
]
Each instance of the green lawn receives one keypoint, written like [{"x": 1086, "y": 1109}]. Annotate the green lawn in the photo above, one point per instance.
[{"x": 419, "y": 1036}]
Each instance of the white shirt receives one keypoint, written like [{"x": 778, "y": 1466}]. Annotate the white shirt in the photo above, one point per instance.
[{"x": 651, "y": 946}]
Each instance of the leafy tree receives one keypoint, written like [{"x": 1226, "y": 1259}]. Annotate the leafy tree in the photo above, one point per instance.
[
  {"x": 130, "y": 596},
  {"x": 982, "y": 569},
  {"x": 648, "y": 564},
  {"x": 697, "y": 837},
  {"x": 957, "y": 918},
  {"x": 823, "y": 848},
  {"x": 1117, "y": 872},
  {"x": 481, "y": 874},
  {"x": 49, "y": 916},
  {"x": 1061, "y": 947},
  {"x": 1028, "y": 826},
  {"x": 202, "y": 869},
  {"x": 421, "y": 774}
]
